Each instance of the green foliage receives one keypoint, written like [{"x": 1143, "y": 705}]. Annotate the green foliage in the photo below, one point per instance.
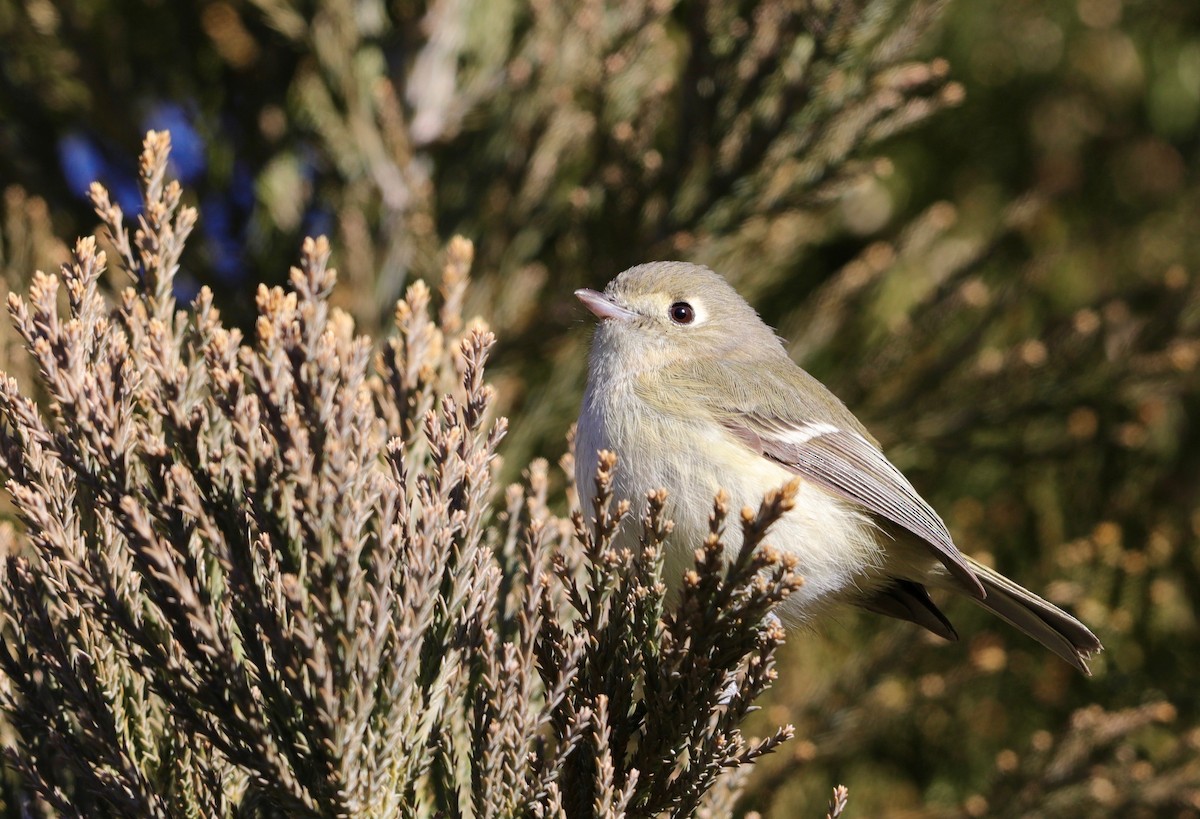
[{"x": 570, "y": 141}]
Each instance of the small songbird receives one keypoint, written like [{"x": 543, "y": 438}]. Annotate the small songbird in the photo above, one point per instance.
[{"x": 696, "y": 394}]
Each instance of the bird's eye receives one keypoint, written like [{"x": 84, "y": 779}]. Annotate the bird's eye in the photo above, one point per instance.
[{"x": 681, "y": 313}]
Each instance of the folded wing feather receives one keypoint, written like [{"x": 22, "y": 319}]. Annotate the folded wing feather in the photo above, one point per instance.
[{"x": 846, "y": 463}]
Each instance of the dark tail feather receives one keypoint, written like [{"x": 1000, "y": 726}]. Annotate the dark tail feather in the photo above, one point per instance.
[
  {"x": 906, "y": 600},
  {"x": 1041, "y": 620}
]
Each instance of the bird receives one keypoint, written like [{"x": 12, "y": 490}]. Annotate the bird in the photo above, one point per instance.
[{"x": 696, "y": 395}]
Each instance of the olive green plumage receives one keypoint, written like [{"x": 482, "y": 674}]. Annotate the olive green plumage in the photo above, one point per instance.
[{"x": 695, "y": 394}]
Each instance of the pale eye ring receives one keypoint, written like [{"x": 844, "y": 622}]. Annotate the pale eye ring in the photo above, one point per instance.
[{"x": 681, "y": 312}]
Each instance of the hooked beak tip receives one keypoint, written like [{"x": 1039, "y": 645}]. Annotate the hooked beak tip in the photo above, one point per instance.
[{"x": 602, "y": 305}]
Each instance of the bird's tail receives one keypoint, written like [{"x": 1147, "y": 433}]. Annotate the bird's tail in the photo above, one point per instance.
[{"x": 1041, "y": 620}]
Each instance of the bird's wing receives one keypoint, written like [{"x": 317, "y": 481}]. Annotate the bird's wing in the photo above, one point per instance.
[
  {"x": 781, "y": 412},
  {"x": 844, "y": 461}
]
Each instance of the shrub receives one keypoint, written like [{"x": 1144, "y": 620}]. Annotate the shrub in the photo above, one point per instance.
[{"x": 275, "y": 577}]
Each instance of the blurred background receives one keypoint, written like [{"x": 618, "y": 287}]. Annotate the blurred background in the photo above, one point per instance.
[{"x": 978, "y": 222}]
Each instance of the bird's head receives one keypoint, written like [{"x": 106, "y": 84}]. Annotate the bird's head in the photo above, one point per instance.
[{"x": 664, "y": 313}]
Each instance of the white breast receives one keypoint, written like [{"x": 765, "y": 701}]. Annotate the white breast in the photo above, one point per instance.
[{"x": 836, "y": 546}]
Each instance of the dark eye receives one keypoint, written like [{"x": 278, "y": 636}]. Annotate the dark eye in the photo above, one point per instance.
[{"x": 681, "y": 313}]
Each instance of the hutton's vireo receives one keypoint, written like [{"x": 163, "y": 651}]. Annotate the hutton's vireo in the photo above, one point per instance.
[{"x": 695, "y": 394}]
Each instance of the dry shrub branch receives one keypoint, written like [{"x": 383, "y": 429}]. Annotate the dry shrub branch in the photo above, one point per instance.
[{"x": 272, "y": 576}]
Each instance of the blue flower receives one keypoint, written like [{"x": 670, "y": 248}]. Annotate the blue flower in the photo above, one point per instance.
[
  {"x": 187, "y": 148},
  {"x": 82, "y": 162}
]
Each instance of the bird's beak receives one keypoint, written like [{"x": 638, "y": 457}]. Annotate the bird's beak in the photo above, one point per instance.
[{"x": 603, "y": 306}]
